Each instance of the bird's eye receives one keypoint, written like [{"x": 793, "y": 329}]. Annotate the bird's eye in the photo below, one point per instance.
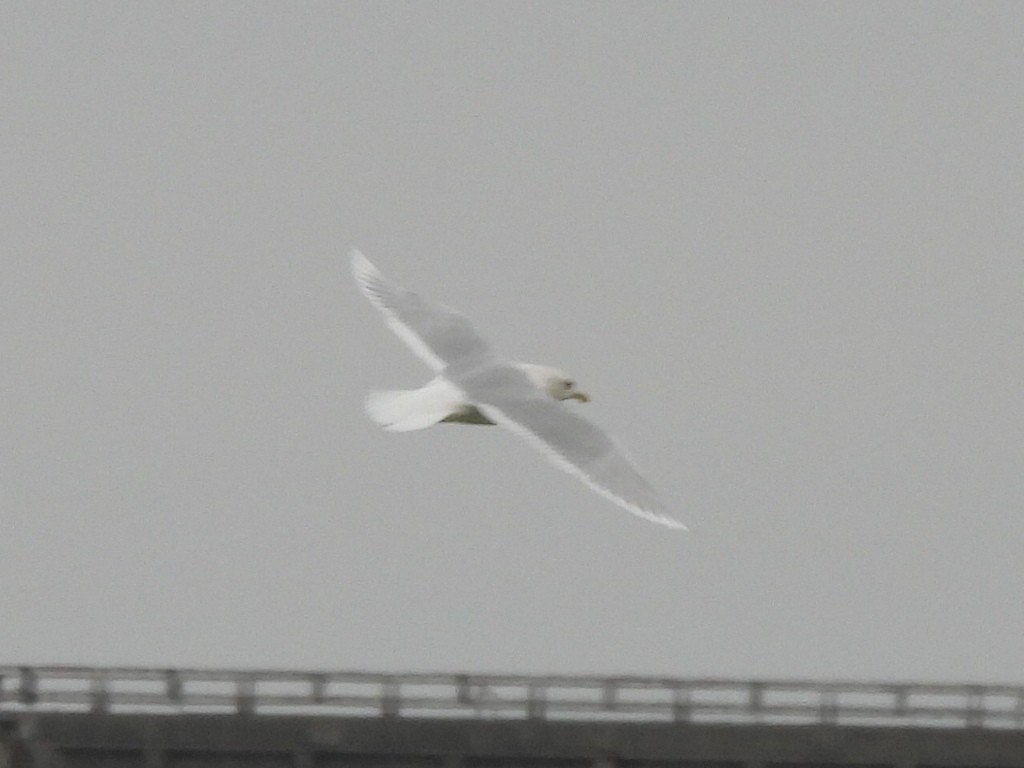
[{"x": 568, "y": 383}]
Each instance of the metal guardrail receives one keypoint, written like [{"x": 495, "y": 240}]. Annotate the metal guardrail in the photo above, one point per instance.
[{"x": 255, "y": 692}]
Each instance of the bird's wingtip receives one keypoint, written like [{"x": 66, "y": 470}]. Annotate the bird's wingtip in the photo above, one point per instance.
[
  {"x": 362, "y": 268},
  {"x": 671, "y": 522}
]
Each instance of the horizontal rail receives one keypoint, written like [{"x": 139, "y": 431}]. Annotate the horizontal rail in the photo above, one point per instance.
[{"x": 557, "y": 697}]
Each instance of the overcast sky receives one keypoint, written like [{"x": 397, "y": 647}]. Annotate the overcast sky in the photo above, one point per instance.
[{"x": 779, "y": 244}]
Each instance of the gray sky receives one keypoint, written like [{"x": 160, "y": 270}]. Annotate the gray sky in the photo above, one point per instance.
[{"x": 779, "y": 244}]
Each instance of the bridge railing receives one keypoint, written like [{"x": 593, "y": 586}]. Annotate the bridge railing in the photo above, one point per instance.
[{"x": 255, "y": 692}]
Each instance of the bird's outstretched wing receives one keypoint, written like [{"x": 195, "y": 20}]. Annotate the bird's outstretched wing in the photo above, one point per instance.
[
  {"x": 584, "y": 450},
  {"x": 439, "y": 335}
]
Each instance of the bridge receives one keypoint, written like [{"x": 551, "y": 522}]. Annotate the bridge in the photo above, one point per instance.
[{"x": 118, "y": 717}]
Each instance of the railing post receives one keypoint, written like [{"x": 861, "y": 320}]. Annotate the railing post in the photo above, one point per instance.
[
  {"x": 245, "y": 695},
  {"x": 975, "y": 715},
  {"x": 900, "y": 694},
  {"x": 172, "y": 686},
  {"x": 828, "y": 706},
  {"x": 535, "y": 704},
  {"x": 463, "y": 693},
  {"x": 608, "y": 695},
  {"x": 100, "y": 694},
  {"x": 391, "y": 698},
  {"x": 318, "y": 683},
  {"x": 681, "y": 704},
  {"x": 756, "y": 699},
  {"x": 28, "y": 688}
]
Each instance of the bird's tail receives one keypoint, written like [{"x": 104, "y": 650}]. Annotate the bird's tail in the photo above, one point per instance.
[{"x": 403, "y": 410}]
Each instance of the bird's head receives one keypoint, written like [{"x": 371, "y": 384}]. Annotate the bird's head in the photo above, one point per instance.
[{"x": 554, "y": 382}]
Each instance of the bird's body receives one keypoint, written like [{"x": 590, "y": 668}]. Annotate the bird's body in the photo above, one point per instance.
[
  {"x": 439, "y": 401},
  {"x": 467, "y": 414},
  {"x": 474, "y": 385}
]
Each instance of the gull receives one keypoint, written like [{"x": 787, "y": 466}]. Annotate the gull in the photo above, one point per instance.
[{"x": 475, "y": 385}]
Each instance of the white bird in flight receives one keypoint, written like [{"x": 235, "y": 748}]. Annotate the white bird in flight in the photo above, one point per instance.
[{"x": 474, "y": 385}]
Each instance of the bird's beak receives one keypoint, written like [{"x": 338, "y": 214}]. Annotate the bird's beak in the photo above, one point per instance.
[{"x": 583, "y": 397}]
